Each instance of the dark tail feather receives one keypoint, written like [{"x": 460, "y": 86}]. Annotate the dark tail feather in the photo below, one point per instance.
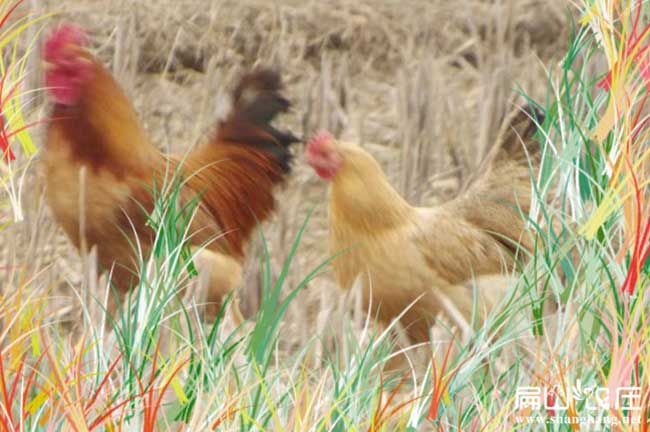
[
  {"x": 257, "y": 96},
  {"x": 498, "y": 200},
  {"x": 256, "y": 101},
  {"x": 516, "y": 141}
]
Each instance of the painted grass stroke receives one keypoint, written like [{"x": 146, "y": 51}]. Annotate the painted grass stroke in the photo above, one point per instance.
[{"x": 157, "y": 367}]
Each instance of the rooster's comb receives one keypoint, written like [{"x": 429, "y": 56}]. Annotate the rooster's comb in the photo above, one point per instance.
[
  {"x": 320, "y": 138},
  {"x": 64, "y": 36}
]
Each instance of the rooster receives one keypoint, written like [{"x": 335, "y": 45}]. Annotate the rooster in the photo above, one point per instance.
[
  {"x": 421, "y": 256},
  {"x": 98, "y": 156}
]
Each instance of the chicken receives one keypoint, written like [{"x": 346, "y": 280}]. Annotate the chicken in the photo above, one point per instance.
[
  {"x": 98, "y": 155},
  {"x": 404, "y": 254}
]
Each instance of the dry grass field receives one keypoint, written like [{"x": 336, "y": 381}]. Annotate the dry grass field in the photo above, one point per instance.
[{"x": 423, "y": 85}]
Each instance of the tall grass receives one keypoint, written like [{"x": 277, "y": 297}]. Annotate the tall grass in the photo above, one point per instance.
[{"x": 16, "y": 103}]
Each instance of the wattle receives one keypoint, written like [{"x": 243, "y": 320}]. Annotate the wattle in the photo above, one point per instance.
[
  {"x": 325, "y": 173},
  {"x": 58, "y": 85}
]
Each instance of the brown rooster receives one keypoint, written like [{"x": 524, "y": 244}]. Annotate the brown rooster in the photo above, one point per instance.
[
  {"x": 402, "y": 252},
  {"x": 95, "y": 135}
]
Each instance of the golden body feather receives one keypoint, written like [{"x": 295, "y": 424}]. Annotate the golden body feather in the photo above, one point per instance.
[{"x": 402, "y": 252}]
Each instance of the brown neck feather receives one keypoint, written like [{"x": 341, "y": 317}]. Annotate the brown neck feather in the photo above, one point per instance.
[
  {"x": 103, "y": 129},
  {"x": 236, "y": 183}
]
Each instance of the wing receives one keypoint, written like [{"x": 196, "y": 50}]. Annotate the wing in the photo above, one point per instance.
[
  {"x": 498, "y": 200},
  {"x": 454, "y": 248}
]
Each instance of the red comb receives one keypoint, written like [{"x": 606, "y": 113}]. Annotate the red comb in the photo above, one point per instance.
[
  {"x": 64, "y": 35},
  {"x": 320, "y": 138}
]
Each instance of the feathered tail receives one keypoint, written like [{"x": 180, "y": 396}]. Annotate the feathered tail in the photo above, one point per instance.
[
  {"x": 236, "y": 171},
  {"x": 498, "y": 201},
  {"x": 256, "y": 101}
]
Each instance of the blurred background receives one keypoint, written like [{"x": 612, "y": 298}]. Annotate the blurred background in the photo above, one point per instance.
[{"x": 422, "y": 84}]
